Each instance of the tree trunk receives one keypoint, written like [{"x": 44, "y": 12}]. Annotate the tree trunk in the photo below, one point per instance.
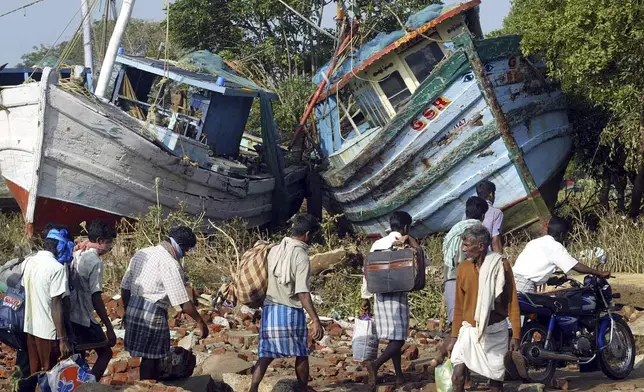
[
  {"x": 605, "y": 190},
  {"x": 638, "y": 190},
  {"x": 620, "y": 183},
  {"x": 638, "y": 184}
]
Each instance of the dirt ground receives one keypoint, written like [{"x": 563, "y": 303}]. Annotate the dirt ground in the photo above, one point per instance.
[{"x": 631, "y": 288}]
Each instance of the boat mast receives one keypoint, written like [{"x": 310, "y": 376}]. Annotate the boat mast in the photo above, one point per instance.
[
  {"x": 87, "y": 35},
  {"x": 113, "y": 47}
]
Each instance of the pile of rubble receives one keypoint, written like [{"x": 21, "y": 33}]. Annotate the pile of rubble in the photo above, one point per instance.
[{"x": 226, "y": 356}]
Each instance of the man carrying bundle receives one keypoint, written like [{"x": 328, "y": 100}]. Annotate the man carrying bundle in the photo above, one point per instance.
[
  {"x": 283, "y": 330},
  {"x": 392, "y": 309}
]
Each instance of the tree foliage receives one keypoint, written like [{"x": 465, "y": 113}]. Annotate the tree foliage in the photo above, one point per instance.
[
  {"x": 386, "y": 15},
  {"x": 263, "y": 41},
  {"x": 595, "y": 49}
]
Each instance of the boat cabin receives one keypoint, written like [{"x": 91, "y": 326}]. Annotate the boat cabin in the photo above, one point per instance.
[
  {"x": 198, "y": 115},
  {"x": 378, "y": 79}
]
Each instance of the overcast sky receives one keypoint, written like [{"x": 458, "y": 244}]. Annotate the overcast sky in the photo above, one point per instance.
[{"x": 43, "y": 23}]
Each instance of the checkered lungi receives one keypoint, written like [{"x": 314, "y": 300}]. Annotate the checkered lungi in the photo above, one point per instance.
[
  {"x": 524, "y": 285},
  {"x": 283, "y": 332},
  {"x": 392, "y": 316},
  {"x": 147, "y": 333}
]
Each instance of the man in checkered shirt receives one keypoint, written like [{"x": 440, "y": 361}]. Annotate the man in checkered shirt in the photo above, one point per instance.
[{"x": 154, "y": 281}]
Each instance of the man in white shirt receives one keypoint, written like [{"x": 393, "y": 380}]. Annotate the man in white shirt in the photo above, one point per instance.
[
  {"x": 87, "y": 282},
  {"x": 46, "y": 283},
  {"x": 542, "y": 256}
]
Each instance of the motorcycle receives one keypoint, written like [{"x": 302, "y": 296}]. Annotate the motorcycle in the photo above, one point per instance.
[{"x": 577, "y": 325}]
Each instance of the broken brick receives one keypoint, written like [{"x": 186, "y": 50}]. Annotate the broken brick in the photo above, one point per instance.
[
  {"x": 134, "y": 362},
  {"x": 120, "y": 366},
  {"x": 334, "y": 330},
  {"x": 433, "y": 325},
  {"x": 133, "y": 374},
  {"x": 411, "y": 353},
  {"x": 334, "y": 359},
  {"x": 119, "y": 379},
  {"x": 331, "y": 372}
]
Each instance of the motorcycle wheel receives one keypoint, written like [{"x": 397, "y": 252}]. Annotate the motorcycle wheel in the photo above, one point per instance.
[
  {"x": 539, "y": 372},
  {"x": 621, "y": 349}
]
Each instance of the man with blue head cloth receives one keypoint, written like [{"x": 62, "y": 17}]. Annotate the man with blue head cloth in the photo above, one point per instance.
[{"x": 46, "y": 284}]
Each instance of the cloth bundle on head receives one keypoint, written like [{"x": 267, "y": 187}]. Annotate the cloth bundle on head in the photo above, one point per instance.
[
  {"x": 452, "y": 242},
  {"x": 65, "y": 247},
  {"x": 85, "y": 245}
]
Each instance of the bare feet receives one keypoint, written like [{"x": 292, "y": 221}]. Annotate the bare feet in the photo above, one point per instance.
[
  {"x": 468, "y": 380},
  {"x": 372, "y": 373}
]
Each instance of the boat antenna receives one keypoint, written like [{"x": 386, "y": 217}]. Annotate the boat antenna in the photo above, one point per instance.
[
  {"x": 307, "y": 20},
  {"x": 21, "y": 8}
]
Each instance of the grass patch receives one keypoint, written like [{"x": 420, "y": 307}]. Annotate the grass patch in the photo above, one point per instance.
[{"x": 221, "y": 244}]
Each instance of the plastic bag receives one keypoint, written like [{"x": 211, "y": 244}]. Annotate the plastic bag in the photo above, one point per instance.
[
  {"x": 66, "y": 376},
  {"x": 364, "y": 342},
  {"x": 443, "y": 375}
]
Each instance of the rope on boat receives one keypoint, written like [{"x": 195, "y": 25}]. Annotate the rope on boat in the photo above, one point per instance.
[{"x": 21, "y": 8}]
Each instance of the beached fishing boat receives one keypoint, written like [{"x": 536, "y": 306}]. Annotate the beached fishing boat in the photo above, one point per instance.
[
  {"x": 414, "y": 119},
  {"x": 70, "y": 157}
]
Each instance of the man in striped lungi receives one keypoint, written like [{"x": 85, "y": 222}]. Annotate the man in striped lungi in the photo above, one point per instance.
[
  {"x": 283, "y": 330},
  {"x": 392, "y": 309}
]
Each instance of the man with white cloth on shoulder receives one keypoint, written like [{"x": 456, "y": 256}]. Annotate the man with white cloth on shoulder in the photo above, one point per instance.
[
  {"x": 541, "y": 257},
  {"x": 485, "y": 298}
]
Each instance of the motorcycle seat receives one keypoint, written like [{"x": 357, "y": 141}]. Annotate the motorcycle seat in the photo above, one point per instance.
[{"x": 557, "y": 304}]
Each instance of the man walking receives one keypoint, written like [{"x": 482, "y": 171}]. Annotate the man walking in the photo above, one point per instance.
[
  {"x": 493, "y": 220},
  {"x": 46, "y": 283},
  {"x": 154, "y": 281},
  {"x": 283, "y": 328},
  {"x": 475, "y": 209},
  {"x": 485, "y": 298},
  {"x": 542, "y": 256},
  {"x": 87, "y": 281},
  {"x": 392, "y": 309}
]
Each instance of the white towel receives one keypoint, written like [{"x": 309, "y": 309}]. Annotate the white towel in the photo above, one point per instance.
[
  {"x": 281, "y": 266},
  {"x": 484, "y": 357},
  {"x": 491, "y": 284}
]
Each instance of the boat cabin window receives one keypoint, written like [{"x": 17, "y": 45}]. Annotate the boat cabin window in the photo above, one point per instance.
[
  {"x": 422, "y": 62},
  {"x": 395, "y": 89}
]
